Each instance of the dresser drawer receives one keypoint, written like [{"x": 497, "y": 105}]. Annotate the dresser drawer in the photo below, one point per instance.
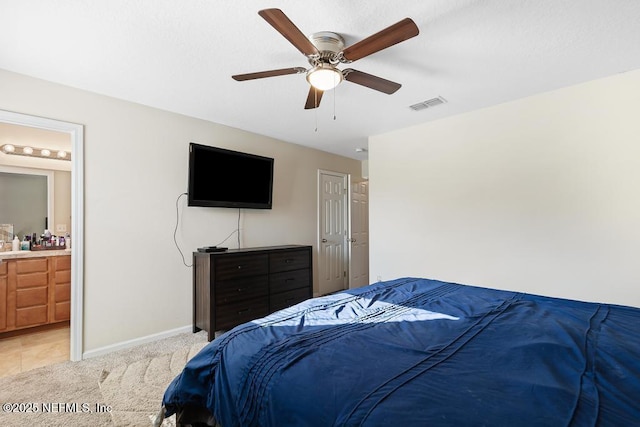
[
  {"x": 288, "y": 280},
  {"x": 241, "y": 289},
  {"x": 288, "y": 260},
  {"x": 289, "y": 298},
  {"x": 235, "y": 266},
  {"x": 233, "y": 314}
]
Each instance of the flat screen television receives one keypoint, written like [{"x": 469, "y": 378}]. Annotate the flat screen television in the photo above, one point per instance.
[{"x": 229, "y": 179}]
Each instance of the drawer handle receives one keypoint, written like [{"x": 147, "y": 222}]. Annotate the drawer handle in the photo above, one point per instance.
[
  {"x": 241, "y": 289},
  {"x": 246, "y": 310},
  {"x": 240, "y": 267},
  {"x": 288, "y": 261},
  {"x": 288, "y": 300},
  {"x": 289, "y": 280}
]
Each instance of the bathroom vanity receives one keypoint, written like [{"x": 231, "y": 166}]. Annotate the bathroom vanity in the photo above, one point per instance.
[{"x": 35, "y": 288}]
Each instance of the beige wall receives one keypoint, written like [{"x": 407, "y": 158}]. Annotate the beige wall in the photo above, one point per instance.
[
  {"x": 62, "y": 202},
  {"x": 135, "y": 167},
  {"x": 538, "y": 195}
]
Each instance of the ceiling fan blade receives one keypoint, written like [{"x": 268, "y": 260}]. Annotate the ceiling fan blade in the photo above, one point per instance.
[
  {"x": 371, "y": 81},
  {"x": 313, "y": 98},
  {"x": 270, "y": 73},
  {"x": 398, "y": 32},
  {"x": 284, "y": 26}
]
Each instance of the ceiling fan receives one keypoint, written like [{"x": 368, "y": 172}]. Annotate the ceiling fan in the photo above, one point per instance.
[{"x": 325, "y": 50}]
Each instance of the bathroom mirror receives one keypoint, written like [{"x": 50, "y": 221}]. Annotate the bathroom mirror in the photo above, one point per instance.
[
  {"x": 25, "y": 200},
  {"x": 35, "y": 192}
]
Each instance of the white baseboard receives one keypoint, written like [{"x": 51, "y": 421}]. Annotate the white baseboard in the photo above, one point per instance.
[{"x": 135, "y": 342}]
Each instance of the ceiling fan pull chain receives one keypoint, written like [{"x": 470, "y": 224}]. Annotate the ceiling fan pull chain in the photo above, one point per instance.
[
  {"x": 315, "y": 110},
  {"x": 335, "y": 91},
  {"x": 334, "y": 102}
]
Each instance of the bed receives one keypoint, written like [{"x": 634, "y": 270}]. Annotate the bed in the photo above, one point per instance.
[{"x": 416, "y": 351}]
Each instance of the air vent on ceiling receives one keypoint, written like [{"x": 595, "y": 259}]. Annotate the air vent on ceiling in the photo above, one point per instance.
[{"x": 429, "y": 103}]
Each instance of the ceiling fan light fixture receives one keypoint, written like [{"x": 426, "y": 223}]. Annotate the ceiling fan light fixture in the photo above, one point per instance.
[
  {"x": 325, "y": 50},
  {"x": 324, "y": 77}
]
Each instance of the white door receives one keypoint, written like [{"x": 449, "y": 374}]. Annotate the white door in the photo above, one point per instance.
[
  {"x": 359, "y": 258},
  {"x": 332, "y": 232}
]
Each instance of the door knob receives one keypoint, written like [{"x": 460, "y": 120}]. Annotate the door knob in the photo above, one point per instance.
[{"x": 324, "y": 240}]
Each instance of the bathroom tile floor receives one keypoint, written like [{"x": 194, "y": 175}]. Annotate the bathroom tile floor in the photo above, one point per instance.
[{"x": 24, "y": 352}]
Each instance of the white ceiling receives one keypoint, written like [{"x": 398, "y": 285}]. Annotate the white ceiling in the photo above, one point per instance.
[{"x": 180, "y": 55}]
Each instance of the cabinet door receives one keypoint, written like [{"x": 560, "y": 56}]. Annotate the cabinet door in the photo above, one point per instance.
[
  {"x": 62, "y": 288},
  {"x": 3, "y": 295}
]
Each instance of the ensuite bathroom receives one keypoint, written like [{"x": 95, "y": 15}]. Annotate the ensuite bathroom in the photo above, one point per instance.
[{"x": 35, "y": 247}]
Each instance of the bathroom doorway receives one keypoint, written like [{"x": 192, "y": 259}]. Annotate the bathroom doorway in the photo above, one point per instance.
[{"x": 74, "y": 133}]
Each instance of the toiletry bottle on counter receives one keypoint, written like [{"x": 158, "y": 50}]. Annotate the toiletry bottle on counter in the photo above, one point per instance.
[
  {"x": 15, "y": 244},
  {"x": 25, "y": 244}
]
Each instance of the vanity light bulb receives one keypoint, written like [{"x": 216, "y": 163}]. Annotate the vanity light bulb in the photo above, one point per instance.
[{"x": 34, "y": 152}]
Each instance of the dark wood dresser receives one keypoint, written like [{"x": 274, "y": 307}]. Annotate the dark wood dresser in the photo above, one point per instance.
[{"x": 239, "y": 285}]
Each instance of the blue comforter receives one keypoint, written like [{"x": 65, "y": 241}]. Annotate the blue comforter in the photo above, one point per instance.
[{"x": 422, "y": 352}]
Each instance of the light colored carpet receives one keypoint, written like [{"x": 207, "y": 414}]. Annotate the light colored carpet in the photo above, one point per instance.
[{"x": 120, "y": 389}]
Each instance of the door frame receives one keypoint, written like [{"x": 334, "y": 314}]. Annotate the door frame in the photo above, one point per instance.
[
  {"x": 76, "y": 134},
  {"x": 347, "y": 221}
]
